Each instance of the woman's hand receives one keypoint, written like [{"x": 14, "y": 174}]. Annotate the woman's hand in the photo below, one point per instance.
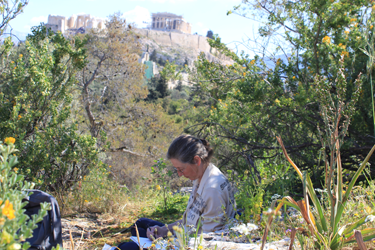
[{"x": 156, "y": 232}]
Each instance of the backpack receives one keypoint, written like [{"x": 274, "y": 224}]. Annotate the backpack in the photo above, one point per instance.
[{"x": 48, "y": 233}]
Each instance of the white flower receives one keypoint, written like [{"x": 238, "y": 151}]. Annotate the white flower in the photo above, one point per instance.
[
  {"x": 320, "y": 190},
  {"x": 244, "y": 229},
  {"x": 275, "y": 197},
  {"x": 370, "y": 218}
]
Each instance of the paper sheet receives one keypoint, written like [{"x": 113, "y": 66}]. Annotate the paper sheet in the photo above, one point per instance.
[{"x": 145, "y": 242}]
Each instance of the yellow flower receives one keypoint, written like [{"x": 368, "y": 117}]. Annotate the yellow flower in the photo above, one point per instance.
[
  {"x": 345, "y": 53},
  {"x": 152, "y": 245},
  {"x": 19, "y": 116},
  {"x": 252, "y": 62},
  {"x": 244, "y": 73},
  {"x": 86, "y": 201},
  {"x": 372, "y": 26},
  {"x": 8, "y": 210},
  {"x": 353, "y": 19},
  {"x": 12, "y": 62},
  {"x": 169, "y": 234},
  {"x": 326, "y": 40},
  {"x": 15, "y": 170},
  {"x": 200, "y": 247},
  {"x": 109, "y": 166},
  {"x": 5, "y": 237},
  {"x": 346, "y": 32},
  {"x": 277, "y": 101},
  {"x": 9, "y": 140},
  {"x": 294, "y": 77},
  {"x": 158, "y": 187},
  {"x": 21, "y": 55},
  {"x": 2, "y": 220}
]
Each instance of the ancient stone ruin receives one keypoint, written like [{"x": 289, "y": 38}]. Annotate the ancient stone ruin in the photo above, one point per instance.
[
  {"x": 74, "y": 24},
  {"x": 170, "y": 22}
]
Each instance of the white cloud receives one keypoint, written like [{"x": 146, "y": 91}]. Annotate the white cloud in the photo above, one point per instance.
[
  {"x": 139, "y": 15},
  {"x": 37, "y": 20}
]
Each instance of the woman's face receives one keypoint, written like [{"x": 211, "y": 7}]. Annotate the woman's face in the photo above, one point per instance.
[{"x": 188, "y": 170}]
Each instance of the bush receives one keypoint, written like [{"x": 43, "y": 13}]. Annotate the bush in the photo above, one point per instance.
[
  {"x": 16, "y": 227},
  {"x": 36, "y": 82}
]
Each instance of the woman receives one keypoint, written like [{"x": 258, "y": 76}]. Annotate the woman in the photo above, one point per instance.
[{"x": 212, "y": 198}]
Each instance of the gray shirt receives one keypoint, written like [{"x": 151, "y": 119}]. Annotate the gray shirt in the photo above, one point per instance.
[{"x": 212, "y": 200}]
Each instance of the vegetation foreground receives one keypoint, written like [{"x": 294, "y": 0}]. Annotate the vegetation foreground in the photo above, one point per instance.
[{"x": 293, "y": 128}]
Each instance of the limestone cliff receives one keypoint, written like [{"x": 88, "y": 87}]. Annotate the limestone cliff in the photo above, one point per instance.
[{"x": 179, "y": 47}]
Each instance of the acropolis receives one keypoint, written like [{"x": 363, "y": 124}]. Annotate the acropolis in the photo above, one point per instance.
[
  {"x": 74, "y": 24},
  {"x": 170, "y": 22}
]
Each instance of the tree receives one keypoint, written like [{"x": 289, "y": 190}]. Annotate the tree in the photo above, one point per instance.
[
  {"x": 9, "y": 10},
  {"x": 210, "y": 34},
  {"x": 153, "y": 56},
  {"x": 112, "y": 89},
  {"x": 36, "y": 81},
  {"x": 257, "y": 98},
  {"x": 113, "y": 78}
]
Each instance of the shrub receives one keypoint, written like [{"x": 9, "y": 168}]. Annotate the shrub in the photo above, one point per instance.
[
  {"x": 36, "y": 83},
  {"x": 16, "y": 227}
]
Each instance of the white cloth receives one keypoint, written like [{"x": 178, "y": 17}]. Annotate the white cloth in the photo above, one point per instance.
[{"x": 212, "y": 200}]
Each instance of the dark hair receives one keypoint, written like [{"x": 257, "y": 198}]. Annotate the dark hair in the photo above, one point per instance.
[{"x": 185, "y": 147}]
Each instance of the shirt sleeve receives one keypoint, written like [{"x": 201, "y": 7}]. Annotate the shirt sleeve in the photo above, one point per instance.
[{"x": 213, "y": 215}]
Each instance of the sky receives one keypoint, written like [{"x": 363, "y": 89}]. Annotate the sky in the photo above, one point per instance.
[{"x": 204, "y": 15}]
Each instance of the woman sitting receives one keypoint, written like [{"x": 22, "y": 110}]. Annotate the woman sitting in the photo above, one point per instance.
[{"x": 212, "y": 198}]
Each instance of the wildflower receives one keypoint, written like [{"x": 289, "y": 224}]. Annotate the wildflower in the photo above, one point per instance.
[
  {"x": 20, "y": 55},
  {"x": 2, "y": 220},
  {"x": 15, "y": 170},
  {"x": 346, "y": 32},
  {"x": 152, "y": 245},
  {"x": 370, "y": 218},
  {"x": 252, "y": 62},
  {"x": 326, "y": 40},
  {"x": 9, "y": 140},
  {"x": 8, "y": 210},
  {"x": 372, "y": 26},
  {"x": 244, "y": 73},
  {"x": 86, "y": 201},
  {"x": 109, "y": 166},
  {"x": 277, "y": 101},
  {"x": 169, "y": 234},
  {"x": 200, "y": 247},
  {"x": 14, "y": 246},
  {"x": 5, "y": 237},
  {"x": 158, "y": 187},
  {"x": 19, "y": 116},
  {"x": 12, "y": 62},
  {"x": 345, "y": 53},
  {"x": 353, "y": 19},
  {"x": 294, "y": 77}
]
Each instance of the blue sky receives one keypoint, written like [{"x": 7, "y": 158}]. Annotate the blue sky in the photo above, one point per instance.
[{"x": 202, "y": 14}]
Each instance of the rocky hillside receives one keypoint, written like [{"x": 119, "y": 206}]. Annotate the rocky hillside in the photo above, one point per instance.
[{"x": 179, "y": 48}]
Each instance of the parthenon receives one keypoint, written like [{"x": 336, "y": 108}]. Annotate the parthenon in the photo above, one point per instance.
[{"x": 170, "y": 22}]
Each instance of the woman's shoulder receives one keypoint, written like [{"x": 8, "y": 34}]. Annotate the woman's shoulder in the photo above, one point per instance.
[{"x": 216, "y": 179}]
